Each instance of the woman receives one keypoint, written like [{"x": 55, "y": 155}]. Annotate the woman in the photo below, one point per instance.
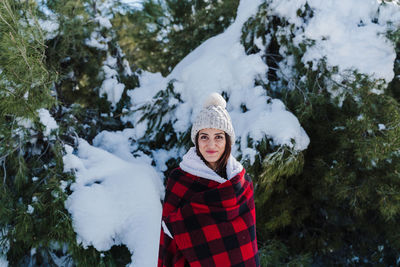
[{"x": 208, "y": 213}]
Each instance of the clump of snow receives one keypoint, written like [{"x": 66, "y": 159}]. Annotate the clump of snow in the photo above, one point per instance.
[
  {"x": 24, "y": 122},
  {"x": 96, "y": 40},
  {"x": 71, "y": 162},
  {"x": 220, "y": 64},
  {"x": 115, "y": 202},
  {"x": 377, "y": 92},
  {"x": 120, "y": 144},
  {"x": 48, "y": 121},
  {"x": 104, "y": 22},
  {"x": 111, "y": 86},
  {"x": 3, "y": 261},
  {"x": 4, "y": 249},
  {"x": 150, "y": 84},
  {"x": 349, "y": 34},
  {"x": 136, "y": 4},
  {"x": 271, "y": 120},
  {"x": 30, "y": 209},
  {"x": 127, "y": 68},
  {"x": 50, "y": 25},
  {"x": 64, "y": 259},
  {"x": 161, "y": 156}
]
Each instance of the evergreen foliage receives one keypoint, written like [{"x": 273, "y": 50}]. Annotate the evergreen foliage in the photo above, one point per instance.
[
  {"x": 69, "y": 66},
  {"x": 59, "y": 73},
  {"x": 163, "y": 32},
  {"x": 32, "y": 213},
  {"x": 275, "y": 253},
  {"x": 159, "y": 133},
  {"x": 337, "y": 203},
  {"x": 334, "y": 201},
  {"x": 85, "y": 53}
]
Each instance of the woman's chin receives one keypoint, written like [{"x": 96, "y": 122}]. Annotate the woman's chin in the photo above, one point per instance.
[{"x": 211, "y": 160}]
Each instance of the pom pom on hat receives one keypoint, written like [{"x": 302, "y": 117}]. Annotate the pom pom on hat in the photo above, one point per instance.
[
  {"x": 213, "y": 115},
  {"x": 214, "y": 99}
]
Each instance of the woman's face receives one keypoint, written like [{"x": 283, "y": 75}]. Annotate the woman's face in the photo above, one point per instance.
[{"x": 211, "y": 145}]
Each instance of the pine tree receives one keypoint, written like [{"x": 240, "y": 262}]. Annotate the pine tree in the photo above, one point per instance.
[
  {"x": 163, "y": 32},
  {"x": 31, "y": 199},
  {"x": 94, "y": 79},
  {"x": 85, "y": 53},
  {"x": 40, "y": 73},
  {"x": 339, "y": 202}
]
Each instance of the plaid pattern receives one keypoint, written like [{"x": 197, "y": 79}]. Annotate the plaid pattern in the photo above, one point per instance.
[{"x": 212, "y": 224}]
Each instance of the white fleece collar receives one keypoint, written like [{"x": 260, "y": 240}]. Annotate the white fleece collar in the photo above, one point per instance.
[{"x": 193, "y": 164}]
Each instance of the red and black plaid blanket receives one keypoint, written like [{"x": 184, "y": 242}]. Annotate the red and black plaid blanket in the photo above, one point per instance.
[{"x": 212, "y": 224}]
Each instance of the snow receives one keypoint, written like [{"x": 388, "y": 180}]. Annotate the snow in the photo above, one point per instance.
[
  {"x": 111, "y": 86},
  {"x": 150, "y": 84},
  {"x": 349, "y": 34},
  {"x": 119, "y": 144},
  {"x": 161, "y": 156},
  {"x": 3, "y": 261},
  {"x": 113, "y": 89},
  {"x": 220, "y": 64},
  {"x": 50, "y": 25},
  {"x": 30, "y": 209},
  {"x": 116, "y": 196},
  {"x": 24, "y": 122},
  {"x": 4, "y": 248},
  {"x": 96, "y": 40},
  {"x": 115, "y": 202},
  {"x": 377, "y": 92},
  {"x": 133, "y": 3},
  {"x": 104, "y": 22},
  {"x": 48, "y": 121},
  {"x": 276, "y": 122}
]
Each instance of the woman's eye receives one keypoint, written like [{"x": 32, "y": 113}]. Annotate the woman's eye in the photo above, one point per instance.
[
  {"x": 220, "y": 137},
  {"x": 203, "y": 137}
]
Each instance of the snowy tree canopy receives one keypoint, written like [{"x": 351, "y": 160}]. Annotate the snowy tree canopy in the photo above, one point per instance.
[{"x": 89, "y": 137}]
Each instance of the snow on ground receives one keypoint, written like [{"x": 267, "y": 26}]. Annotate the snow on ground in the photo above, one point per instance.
[
  {"x": 350, "y": 34},
  {"x": 114, "y": 202},
  {"x": 220, "y": 64}
]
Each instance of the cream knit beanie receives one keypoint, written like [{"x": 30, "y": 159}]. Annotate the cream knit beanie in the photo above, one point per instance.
[{"x": 213, "y": 115}]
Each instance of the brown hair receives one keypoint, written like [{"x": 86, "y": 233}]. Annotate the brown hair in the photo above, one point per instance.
[{"x": 223, "y": 160}]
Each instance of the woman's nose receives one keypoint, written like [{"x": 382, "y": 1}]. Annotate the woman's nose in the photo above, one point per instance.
[{"x": 211, "y": 142}]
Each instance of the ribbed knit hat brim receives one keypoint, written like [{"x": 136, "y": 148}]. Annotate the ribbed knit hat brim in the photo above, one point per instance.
[{"x": 213, "y": 115}]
